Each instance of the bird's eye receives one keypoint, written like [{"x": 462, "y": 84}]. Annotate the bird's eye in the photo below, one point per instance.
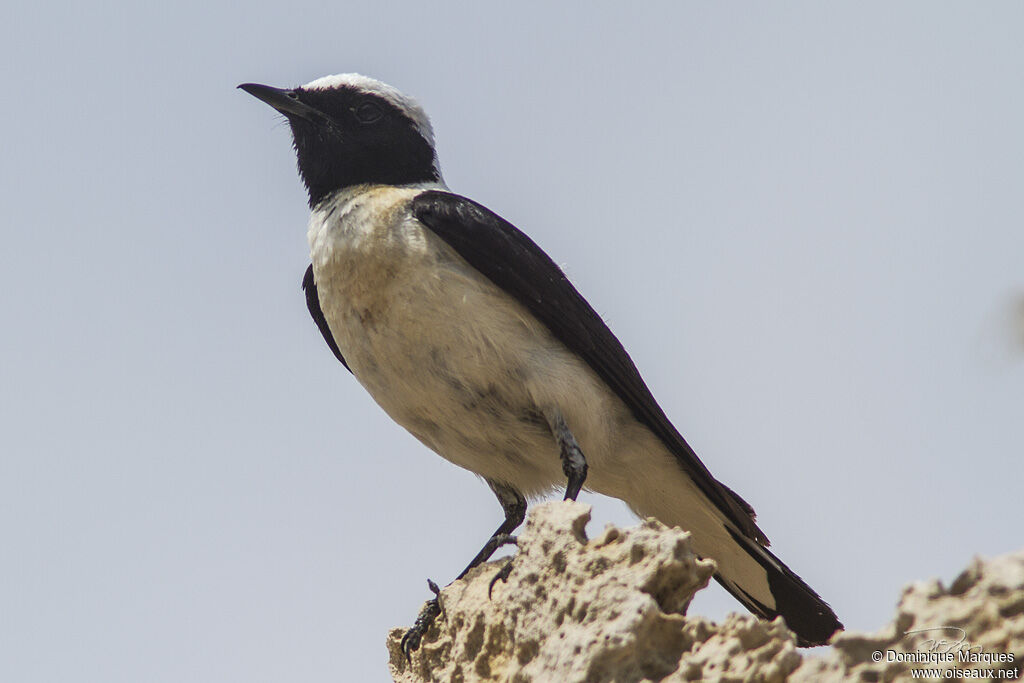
[{"x": 367, "y": 112}]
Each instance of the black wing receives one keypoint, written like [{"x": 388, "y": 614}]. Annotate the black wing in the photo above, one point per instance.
[
  {"x": 313, "y": 304},
  {"x": 514, "y": 263}
]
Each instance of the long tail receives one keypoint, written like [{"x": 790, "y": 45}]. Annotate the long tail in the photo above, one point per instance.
[{"x": 769, "y": 588}]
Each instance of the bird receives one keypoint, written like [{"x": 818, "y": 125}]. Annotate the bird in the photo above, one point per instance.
[{"x": 469, "y": 336}]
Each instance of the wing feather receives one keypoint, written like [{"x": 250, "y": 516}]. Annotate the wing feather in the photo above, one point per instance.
[
  {"x": 313, "y": 304},
  {"x": 511, "y": 260}
]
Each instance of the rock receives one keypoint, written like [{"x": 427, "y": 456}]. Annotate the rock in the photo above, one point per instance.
[
  {"x": 614, "y": 609},
  {"x": 982, "y": 612}
]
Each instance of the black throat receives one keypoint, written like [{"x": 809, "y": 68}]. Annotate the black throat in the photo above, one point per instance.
[{"x": 358, "y": 138}]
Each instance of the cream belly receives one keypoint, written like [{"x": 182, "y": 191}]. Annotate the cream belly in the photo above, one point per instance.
[
  {"x": 472, "y": 375},
  {"x": 443, "y": 351}
]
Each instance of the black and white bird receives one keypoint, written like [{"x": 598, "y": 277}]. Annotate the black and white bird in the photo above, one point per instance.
[{"x": 470, "y": 337}]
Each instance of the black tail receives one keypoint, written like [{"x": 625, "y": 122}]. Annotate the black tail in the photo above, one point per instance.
[{"x": 805, "y": 613}]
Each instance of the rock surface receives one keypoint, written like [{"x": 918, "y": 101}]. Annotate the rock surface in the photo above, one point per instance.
[
  {"x": 980, "y": 616},
  {"x": 613, "y": 609}
]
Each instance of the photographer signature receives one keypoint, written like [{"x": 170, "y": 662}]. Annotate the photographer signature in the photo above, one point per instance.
[{"x": 937, "y": 644}]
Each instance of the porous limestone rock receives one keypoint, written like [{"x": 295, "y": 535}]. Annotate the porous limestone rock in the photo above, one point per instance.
[
  {"x": 573, "y": 609},
  {"x": 980, "y": 614},
  {"x": 613, "y": 609}
]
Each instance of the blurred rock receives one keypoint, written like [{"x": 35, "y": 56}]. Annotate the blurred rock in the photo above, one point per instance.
[{"x": 979, "y": 616}]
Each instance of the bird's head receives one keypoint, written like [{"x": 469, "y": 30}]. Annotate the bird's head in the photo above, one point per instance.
[{"x": 350, "y": 130}]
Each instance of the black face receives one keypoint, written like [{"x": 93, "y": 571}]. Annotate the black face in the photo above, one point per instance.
[{"x": 344, "y": 137}]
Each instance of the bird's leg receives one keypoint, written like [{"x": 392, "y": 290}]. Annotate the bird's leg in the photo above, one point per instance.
[
  {"x": 514, "y": 505},
  {"x": 574, "y": 465}
]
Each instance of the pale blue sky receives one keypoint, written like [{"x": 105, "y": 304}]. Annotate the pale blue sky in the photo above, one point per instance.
[{"x": 803, "y": 220}]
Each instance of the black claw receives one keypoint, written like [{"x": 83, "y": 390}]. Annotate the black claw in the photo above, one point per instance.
[
  {"x": 501, "y": 575},
  {"x": 437, "y": 597},
  {"x": 411, "y": 639},
  {"x": 576, "y": 478}
]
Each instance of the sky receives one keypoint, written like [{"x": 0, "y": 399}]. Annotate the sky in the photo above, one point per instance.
[{"x": 804, "y": 221}]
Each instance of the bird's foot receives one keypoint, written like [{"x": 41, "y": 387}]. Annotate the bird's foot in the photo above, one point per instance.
[
  {"x": 500, "y": 575},
  {"x": 414, "y": 636},
  {"x": 493, "y": 543},
  {"x": 431, "y": 610}
]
